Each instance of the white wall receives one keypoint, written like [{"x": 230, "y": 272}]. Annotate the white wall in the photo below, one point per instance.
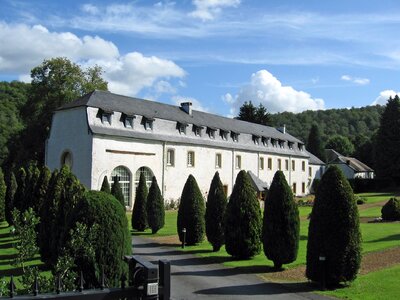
[{"x": 69, "y": 132}]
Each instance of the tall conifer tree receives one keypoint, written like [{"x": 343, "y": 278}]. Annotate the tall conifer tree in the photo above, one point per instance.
[
  {"x": 215, "y": 213},
  {"x": 314, "y": 142},
  {"x": 281, "y": 223},
  {"x": 10, "y": 192},
  {"x": 116, "y": 191},
  {"x": 105, "y": 186},
  {"x": 334, "y": 232},
  {"x": 139, "y": 213},
  {"x": 243, "y": 219},
  {"x": 155, "y": 207},
  {"x": 2, "y": 197},
  {"x": 191, "y": 213}
]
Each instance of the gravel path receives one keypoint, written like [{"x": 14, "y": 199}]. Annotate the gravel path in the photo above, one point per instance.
[{"x": 198, "y": 278}]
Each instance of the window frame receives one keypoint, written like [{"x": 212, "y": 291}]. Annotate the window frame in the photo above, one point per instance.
[
  {"x": 218, "y": 160},
  {"x": 170, "y": 161},
  {"x": 261, "y": 163},
  {"x": 269, "y": 164},
  {"x": 190, "y": 159},
  {"x": 238, "y": 162}
]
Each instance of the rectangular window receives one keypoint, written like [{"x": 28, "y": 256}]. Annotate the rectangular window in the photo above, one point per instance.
[
  {"x": 224, "y": 134},
  {"x": 211, "y": 133},
  {"x": 290, "y": 144},
  {"x": 303, "y": 166},
  {"x": 235, "y": 136},
  {"x": 238, "y": 161},
  {"x": 270, "y": 163},
  {"x": 128, "y": 122},
  {"x": 148, "y": 124},
  {"x": 309, "y": 171},
  {"x": 286, "y": 164},
  {"x": 106, "y": 118},
  {"x": 261, "y": 163},
  {"x": 182, "y": 128},
  {"x": 256, "y": 139},
  {"x": 197, "y": 130},
  {"x": 190, "y": 159},
  {"x": 294, "y": 188},
  {"x": 279, "y": 164},
  {"x": 293, "y": 165},
  {"x": 265, "y": 141},
  {"x": 218, "y": 160},
  {"x": 303, "y": 187},
  {"x": 171, "y": 157}
]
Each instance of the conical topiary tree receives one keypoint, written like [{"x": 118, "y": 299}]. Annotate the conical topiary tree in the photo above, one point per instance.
[
  {"x": 105, "y": 186},
  {"x": 10, "y": 192},
  {"x": 281, "y": 223},
  {"x": 215, "y": 213},
  {"x": 42, "y": 186},
  {"x": 139, "y": 214},
  {"x": 19, "y": 196},
  {"x": 391, "y": 210},
  {"x": 191, "y": 213},
  {"x": 334, "y": 232},
  {"x": 155, "y": 207},
  {"x": 116, "y": 191},
  {"x": 243, "y": 220}
]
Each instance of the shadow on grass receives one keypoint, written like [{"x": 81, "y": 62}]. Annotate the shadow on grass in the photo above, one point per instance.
[
  {"x": 6, "y": 246},
  {"x": 8, "y": 256},
  {"x": 5, "y": 235},
  {"x": 393, "y": 237},
  {"x": 17, "y": 271},
  {"x": 141, "y": 233}
]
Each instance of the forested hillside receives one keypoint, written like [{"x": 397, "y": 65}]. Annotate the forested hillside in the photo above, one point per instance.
[{"x": 353, "y": 123}]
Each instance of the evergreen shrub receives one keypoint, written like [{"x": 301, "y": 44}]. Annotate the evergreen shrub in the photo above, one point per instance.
[
  {"x": 3, "y": 189},
  {"x": 116, "y": 190},
  {"x": 243, "y": 220},
  {"x": 215, "y": 213},
  {"x": 391, "y": 210},
  {"x": 9, "y": 200},
  {"x": 105, "y": 186},
  {"x": 281, "y": 223},
  {"x": 139, "y": 213},
  {"x": 155, "y": 207},
  {"x": 112, "y": 239},
  {"x": 334, "y": 232},
  {"x": 191, "y": 213}
]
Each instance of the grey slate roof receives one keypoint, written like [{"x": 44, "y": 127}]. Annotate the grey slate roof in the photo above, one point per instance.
[
  {"x": 258, "y": 184},
  {"x": 313, "y": 160},
  {"x": 150, "y": 109},
  {"x": 335, "y": 158}
]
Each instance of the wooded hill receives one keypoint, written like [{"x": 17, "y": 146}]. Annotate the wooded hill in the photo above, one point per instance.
[{"x": 355, "y": 123}]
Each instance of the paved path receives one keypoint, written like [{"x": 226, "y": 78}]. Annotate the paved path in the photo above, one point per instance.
[{"x": 196, "y": 278}]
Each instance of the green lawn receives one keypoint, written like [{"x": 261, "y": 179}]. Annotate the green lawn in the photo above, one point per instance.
[
  {"x": 168, "y": 229},
  {"x": 370, "y": 212},
  {"x": 382, "y": 284},
  {"x": 377, "y": 197}
]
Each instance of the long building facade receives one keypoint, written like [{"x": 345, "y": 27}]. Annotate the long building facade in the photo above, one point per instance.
[{"x": 104, "y": 134}]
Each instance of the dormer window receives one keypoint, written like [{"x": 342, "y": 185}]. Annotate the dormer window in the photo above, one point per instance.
[
  {"x": 256, "y": 139},
  {"x": 290, "y": 144},
  {"x": 148, "y": 123},
  {"x": 273, "y": 142},
  {"x": 301, "y": 146},
  {"x": 197, "y": 130},
  {"x": 128, "y": 120},
  {"x": 181, "y": 127},
  {"x": 105, "y": 116},
  {"x": 224, "y": 134},
  {"x": 211, "y": 132},
  {"x": 235, "y": 136},
  {"x": 265, "y": 141},
  {"x": 281, "y": 143}
]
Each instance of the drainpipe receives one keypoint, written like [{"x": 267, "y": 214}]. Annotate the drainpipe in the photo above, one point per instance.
[
  {"x": 233, "y": 168},
  {"x": 290, "y": 170}
]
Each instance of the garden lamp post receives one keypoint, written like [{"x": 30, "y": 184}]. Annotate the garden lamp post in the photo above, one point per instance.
[{"x": 184, "y": 238}]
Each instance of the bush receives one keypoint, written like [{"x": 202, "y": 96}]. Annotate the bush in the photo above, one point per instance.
[
  {"x": 2, "y": 197},
  {"x": 116, "y": 190},
  {"x": 334, "y": 231},
  {"x": 281, "y": 223},
  {"x": 215, "y": 213},
  {"x": 105, "y": 186},
  {"x": 191, "y": 213},
  {"x": 112, "y": 239},
  {"x": 243, "y": 219},
  {"x": 314, "y": 185},
  {"x": 360, "y": 200},
  {"x": 155, "y": 207},
  {"x": 139, "y": 214},
  {"x": 391, "y": 210}
]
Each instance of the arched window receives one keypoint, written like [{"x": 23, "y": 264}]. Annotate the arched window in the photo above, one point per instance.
[
  {"x": 124, "y": 178},
  {"x": 66, "y": 159},
  {"x": 148, "y": 174}
]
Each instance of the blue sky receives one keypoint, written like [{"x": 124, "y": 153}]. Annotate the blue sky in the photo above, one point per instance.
[{"x": 288, "y": 55}]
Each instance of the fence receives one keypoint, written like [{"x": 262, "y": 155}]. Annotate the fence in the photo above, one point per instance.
[{"x": 147, "y": 282}]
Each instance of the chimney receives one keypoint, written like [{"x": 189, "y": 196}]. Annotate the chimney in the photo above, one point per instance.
[
  {"x": 187, "y": 107},
  {"x": 282, "y": 129}
]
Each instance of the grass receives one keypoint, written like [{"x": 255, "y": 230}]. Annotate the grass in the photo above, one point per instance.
[
  {"x": 168, "y": 229},
  {"x": 370, "y": 212},
  {"x": 373, "y": 286},
  {"x": 377, "y": 197}
]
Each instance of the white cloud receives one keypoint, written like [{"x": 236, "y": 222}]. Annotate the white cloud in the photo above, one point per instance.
[
  {"x": 384, "y": 96},
  {"x": 208, "y": 9},
  {"x": 24, "y": 47},
  {"x": 356, "y": 80},
  {"x": 90, "y": 8},
  {"x": 266, "y": 89},
  {"x": 196, "y": 104}
]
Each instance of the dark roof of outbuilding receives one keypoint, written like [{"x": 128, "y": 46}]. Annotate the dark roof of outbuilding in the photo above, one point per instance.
[
  {"x": 258, "y": 184},
  {"x": 335, "y": 158},
  {"x": 151, "y": 109}
]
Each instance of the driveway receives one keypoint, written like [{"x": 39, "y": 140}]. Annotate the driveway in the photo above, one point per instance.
[{"x": 197, "y": 278}]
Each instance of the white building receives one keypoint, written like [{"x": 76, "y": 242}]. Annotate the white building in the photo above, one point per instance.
[
  {"x": 104, "y": 134},
  {"x": 350, "y": 166}
]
